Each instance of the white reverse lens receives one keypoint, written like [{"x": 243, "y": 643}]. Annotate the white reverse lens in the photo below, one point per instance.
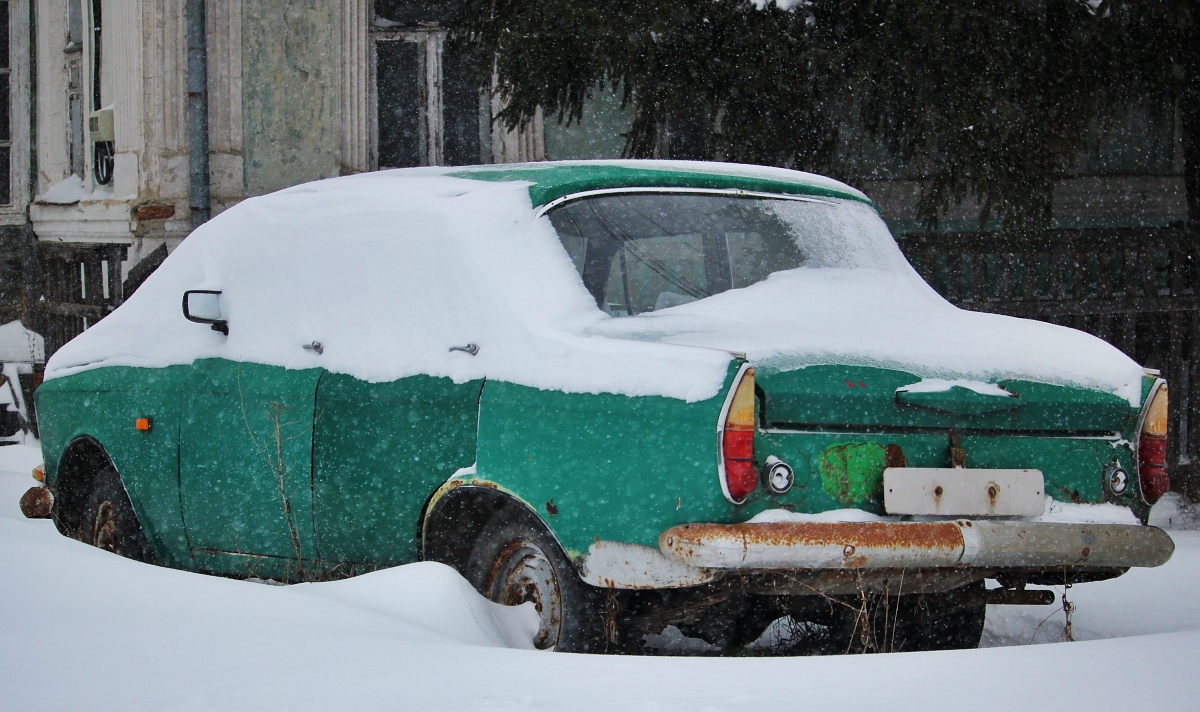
[
  {"x": 1117, "y": 480},
  {"x": 778, "y": 476}
]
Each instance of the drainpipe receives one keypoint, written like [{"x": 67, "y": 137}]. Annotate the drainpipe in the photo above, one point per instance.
[{"x": 197, "y": 88}]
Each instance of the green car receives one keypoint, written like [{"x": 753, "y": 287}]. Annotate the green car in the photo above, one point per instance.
[{"x": 636, "y": 393}]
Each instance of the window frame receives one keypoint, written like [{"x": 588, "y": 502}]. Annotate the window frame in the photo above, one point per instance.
[
  {"x": 544, "y": 210},
  {"x": 20, "y": 119},
  {"x": 7, "y": 72},
  {"x": 738, "y": 192},
  {"x": 430, "y": 133}
]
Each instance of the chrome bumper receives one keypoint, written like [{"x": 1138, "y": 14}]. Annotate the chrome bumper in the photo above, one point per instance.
[{"x": 991, "y": 544}]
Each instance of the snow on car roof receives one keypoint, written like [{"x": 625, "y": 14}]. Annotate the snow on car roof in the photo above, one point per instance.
[{"x": 391, "y": 270}]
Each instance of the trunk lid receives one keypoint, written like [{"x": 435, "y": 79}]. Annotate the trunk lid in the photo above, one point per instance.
[{"x": 868, "y": 397}]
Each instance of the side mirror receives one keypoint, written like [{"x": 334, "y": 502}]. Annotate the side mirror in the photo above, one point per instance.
[{"x": 203, "y": 306}]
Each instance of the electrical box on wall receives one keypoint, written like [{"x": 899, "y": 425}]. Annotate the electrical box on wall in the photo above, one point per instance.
[{"x": 100, "y": 125}]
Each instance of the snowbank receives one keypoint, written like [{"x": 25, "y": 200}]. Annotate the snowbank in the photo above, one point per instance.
[
  {"x": 20, "y": 344},
  {"x": 81, "y": 629},
  {"x": 390, "y": 270},
  {"x": 1072, "y": 513}
]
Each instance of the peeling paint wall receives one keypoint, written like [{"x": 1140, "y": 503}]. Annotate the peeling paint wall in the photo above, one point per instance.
[
  {"x": 227, "y": 172},
  {"x": 291, "y": 66}
]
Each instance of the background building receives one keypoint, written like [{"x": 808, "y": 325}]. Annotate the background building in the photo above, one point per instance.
[{"x": 118, "y": 137}]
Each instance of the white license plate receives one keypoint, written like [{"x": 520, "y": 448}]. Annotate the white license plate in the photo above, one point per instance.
[{"x": 956, "y": 492}]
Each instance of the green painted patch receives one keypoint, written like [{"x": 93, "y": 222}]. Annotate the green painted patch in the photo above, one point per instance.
[{"x": 852, "y": 472}]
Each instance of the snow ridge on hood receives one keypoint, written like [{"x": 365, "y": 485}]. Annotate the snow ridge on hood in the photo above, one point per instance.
[{"x": 887, "y": 318}]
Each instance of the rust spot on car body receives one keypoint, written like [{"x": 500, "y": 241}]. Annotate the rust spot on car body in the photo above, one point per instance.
[
  {"x": 481, "y": 483},
  {"x": 993, "y": 491},
  {"x": 958, "y": 454}
]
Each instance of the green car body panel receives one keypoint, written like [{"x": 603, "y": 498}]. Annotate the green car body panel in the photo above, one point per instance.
[
  {"x": 231, "y": 443},
  {"x": 361, "y": 460},
  {"x": 381, "y": 450},
  {"x": 259, "y": 470},
  {"x": 103, "y": 404},
  {"x": 604, "y": 466},
  {"x": 245, "y": 466},
  {"x": 865, "y": 396}
]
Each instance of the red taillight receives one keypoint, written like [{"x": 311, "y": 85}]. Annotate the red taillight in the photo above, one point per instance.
[
  {"x": 738, "y": 474},
  {"x": 1152, "y": 468},
  {"x": 1152, "y": 449}
]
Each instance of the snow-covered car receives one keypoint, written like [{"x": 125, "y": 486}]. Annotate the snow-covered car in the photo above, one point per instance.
[
  {"x": 637, "y": 394},
  {"x": 21, "y": 359}
]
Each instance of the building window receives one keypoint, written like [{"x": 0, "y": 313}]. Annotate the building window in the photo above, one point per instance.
[
  {"x": 85, "y": 53},
  {"x": 102, "y": 144},
  {"x": 74, "y": 52},
  {"x": 427, "y": 109},
  {"x": 5, "y": 109}
]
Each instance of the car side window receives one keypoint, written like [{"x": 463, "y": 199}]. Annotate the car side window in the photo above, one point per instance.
[{"x": 640, "y": 253}]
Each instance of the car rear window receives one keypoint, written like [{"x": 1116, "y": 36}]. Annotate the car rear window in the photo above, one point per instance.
[{"x": 642, "y": 252}]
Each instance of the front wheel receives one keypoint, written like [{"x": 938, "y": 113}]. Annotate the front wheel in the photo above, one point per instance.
[
  {"x": 108, "y": 520},
  {"x": 515, "y": 560}
]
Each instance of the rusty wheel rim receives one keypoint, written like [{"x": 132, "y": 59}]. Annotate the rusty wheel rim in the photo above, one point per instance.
[
  {"x": 523, "y": 574},
  {"x": 104, "y": 528}
]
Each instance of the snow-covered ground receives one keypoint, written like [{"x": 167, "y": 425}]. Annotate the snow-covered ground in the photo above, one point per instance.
[{"x": 84, "y": 630}]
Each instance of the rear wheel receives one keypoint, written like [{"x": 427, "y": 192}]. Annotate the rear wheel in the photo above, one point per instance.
[
  {"x": 108, "y": 520},
  {"x": 515, "y": 560}
]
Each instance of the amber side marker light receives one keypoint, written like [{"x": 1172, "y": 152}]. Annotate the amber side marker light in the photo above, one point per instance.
[
  {"x": 39, "y": 473},
  {"x": 1152, "y": 449},
  {"x": 142, "y": 424}
]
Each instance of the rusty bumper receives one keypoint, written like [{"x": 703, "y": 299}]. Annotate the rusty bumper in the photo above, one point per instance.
[{"x": 915, "y": 545}]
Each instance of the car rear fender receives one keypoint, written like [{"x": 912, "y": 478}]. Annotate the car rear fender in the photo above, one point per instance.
[
  {"x": 457, "y": 513},
  {"x": 603, "y": 465}
]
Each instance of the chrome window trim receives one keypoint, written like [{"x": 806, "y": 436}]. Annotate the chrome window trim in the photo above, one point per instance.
[{"x": 738, "y": 192}]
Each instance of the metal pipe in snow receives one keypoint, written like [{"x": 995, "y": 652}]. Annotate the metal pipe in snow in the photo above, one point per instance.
[{"x": 197, "y": 88}]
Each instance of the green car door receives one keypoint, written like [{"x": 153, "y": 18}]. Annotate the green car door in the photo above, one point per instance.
[
  {"x": 245, "y": 468},
  {"x": 381, "y": 449}
]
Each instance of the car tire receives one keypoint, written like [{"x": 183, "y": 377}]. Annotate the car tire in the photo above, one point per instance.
[
  {"x": 516, "y": 560},
  {"x": 944, "y": 621},
  {"x": 108, "y": 520}
]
